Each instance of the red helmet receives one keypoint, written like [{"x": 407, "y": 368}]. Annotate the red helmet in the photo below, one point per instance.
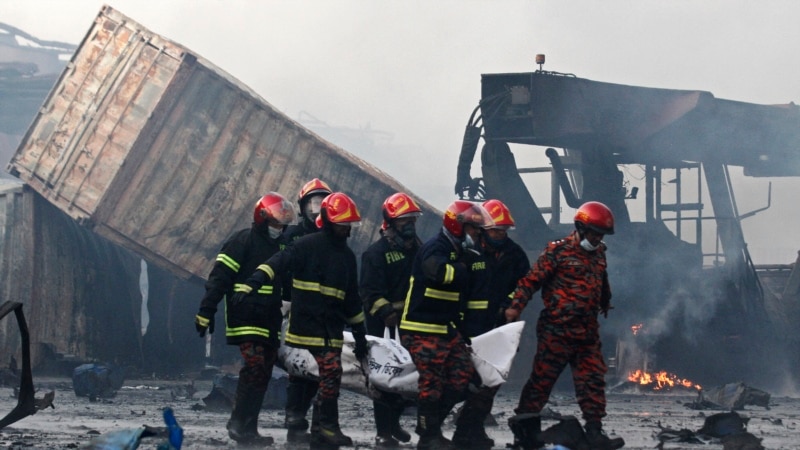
[
  {"x": 500, "y": 214},
  {"x": 340, "y": 209},
  {"x": 273, "y": 206},
  {"x": 313, "y": 187},
  {"x": 399, "y": 205},
  {"x": 462, "y": 212},
  {"x": 594, "y": 216}
]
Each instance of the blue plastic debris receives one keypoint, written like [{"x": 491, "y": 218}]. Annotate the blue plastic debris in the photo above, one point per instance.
[{"x": 175, "y": 431}]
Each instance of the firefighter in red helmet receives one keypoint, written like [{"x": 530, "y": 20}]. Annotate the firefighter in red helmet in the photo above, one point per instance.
[
  {"x": 300, "y": 392},
  {"x": 431, "y": 316},
  {"x": 571, "y": 272},
  {"x": 383, "y": 284},
  {"x": 493, "y": 278},
  {"x": 324, "y": 300},
  {"x": 253, "y": 325}
]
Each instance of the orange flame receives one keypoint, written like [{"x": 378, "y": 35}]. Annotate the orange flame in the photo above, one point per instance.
[
  {"x": 636, "y": 328},
  {"x": 660, "y": 380}
]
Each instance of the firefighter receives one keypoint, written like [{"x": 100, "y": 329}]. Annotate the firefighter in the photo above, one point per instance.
[
  {"x": 493, "y": 278},
  {"x": 571, "y": 272},
  {"x": 385, "y": 271},
  {"x": 324, "y": 299},
  {"x": 254, "y": 324},
  {"x": 431, "y": 314},
  {"x": 300, "y": 392}
]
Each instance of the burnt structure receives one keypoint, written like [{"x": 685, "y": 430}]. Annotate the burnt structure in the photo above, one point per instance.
[{"x": 707, "y": 312}]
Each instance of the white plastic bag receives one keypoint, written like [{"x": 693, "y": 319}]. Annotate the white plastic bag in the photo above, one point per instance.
[{"x": 494, "y": 351}]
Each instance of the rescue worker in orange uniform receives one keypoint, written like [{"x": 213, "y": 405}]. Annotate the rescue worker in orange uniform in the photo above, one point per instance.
[
  {"x": 324, "y": 300},
  {"x": 254, "y": 324},
  {"x": 571, "y": 272},
  {"x": 428, "y": 327},
  {"x": 300, "y": 392},
  {"x": 492, "y": 282},
  {"x": 385, "y": 272}
]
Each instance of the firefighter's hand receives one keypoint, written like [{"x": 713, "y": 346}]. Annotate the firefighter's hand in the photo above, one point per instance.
[
  {"x": 238, "y": 298},
  {"x": 204, "y": 321},
  {"x": 391, "y": 320},
  {"x": 512, "y": 315},
  {"x": 362, "y": 349}
]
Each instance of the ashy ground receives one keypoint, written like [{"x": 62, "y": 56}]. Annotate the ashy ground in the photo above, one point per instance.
[{"x": 74, "y": 421}]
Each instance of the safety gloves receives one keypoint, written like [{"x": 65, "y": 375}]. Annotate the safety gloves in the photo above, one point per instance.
[
  {"x": 204, "y": 321},
  {"x": 360, "y": 335}
]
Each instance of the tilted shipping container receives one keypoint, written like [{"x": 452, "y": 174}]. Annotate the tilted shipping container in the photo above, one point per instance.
[{"x": 158, "y": 150}]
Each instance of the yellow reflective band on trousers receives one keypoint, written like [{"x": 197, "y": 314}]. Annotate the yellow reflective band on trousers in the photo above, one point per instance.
[
  {"x": 312, "y": 341},
  {"x": 478, "y": 304},
  {"x": 442, "y": 295},
  {"x": 316, "y": 287},
  {"x": 241, "y": 287},
  {"x": 228, "y": 261},
  {"x": 245, "y": 331},
  {"x": 267, "y": 269}
]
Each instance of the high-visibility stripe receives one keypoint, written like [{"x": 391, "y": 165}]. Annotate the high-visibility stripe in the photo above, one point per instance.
[
  {"x": 449, "y": 274},
  {"x": 423, "y": 327},
  {"x": 441, "y": 295},
  {"x": 243, "y": 331},
  {"x": 478, "y": 304},
  {"x": 228, "y": 261},
  {"x": 265, "y": 289},
  {"x": 377, "y": 305},
  {"x": 312, "y": 341},
  {"x": 316, "y": 287},
  {"x": 202, "y": 321},
  {"x": 267, "y": 269},
  {"x": 358, "y": 318}
]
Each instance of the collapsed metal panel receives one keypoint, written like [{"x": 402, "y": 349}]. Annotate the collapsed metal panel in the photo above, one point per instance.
[
  {"x": 158, "y": 150},
  {"x": 82, "y": 292}
]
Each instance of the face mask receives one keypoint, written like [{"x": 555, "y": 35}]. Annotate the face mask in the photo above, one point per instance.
[
  {"x": 496, "y": 243},
  {"x": 586, "y": 245},
  {"x": 313, "y": 206},
  {"x": 408, "y": 231},
  {"x": 275, "y": 233},
  {"x": 468, "y": 243}
]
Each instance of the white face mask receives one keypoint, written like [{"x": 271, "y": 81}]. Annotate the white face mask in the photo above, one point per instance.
[
  {"x": 586, "y": 245},
  {"x": 275, "y": 233},
  {"x": 313, "y": 206}
]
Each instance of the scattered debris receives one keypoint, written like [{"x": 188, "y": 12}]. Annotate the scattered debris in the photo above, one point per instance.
[
  {"x": 97, "y": 381},
  {"x": 731, "y": 396},
  {"x": 729, "y": 428},
  {"x": 131, "y": 438},
  {"x": 224, "y": 389}
]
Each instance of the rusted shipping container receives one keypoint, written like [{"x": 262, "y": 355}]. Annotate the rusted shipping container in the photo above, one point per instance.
[
  {"x": 82, "y": 295},
  {"x": 158, "y": 150}
]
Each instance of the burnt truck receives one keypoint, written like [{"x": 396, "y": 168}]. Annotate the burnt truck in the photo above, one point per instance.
[{"x": 688, "y": 297}]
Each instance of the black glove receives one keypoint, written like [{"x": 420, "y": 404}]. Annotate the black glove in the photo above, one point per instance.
[
  {"x": 204, "y": 320},
  {"x": 362, "y": 350},
  {"x": 250, "y": 287},
  {"x": 388, "y": 315}
]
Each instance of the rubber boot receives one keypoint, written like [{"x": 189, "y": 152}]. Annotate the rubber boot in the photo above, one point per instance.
[
  {"x": 397, "y": 431},
  {"x": 299, "y": 395},
  {"x": 329, "y": 433},
  {"x": 470, "y": 432},
  {"x": 597, "y": 438},
  {"x": 429, "y": 428},
  {"x": 526, "y": 428},
  {"x": 383, "y": 414},
  {"x": 243, "y": 424}
]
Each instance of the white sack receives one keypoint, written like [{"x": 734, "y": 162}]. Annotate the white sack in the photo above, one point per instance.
[{"x": 390, "y": 366}]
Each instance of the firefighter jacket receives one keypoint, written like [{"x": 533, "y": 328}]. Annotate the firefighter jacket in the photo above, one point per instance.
[
  {"x": 324, "y": 290},
  {"x": 385, "y": 271},
  {"x": 574, "y": 282},
  {"x": 258, "y": 318},
  {"x": 291, "y": 234},
  {"x": 438, "y": 279},
  {"x": 475, "y": 314}
]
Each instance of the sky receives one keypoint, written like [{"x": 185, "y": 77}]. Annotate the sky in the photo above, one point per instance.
[{"x": 411, "y": 70}]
